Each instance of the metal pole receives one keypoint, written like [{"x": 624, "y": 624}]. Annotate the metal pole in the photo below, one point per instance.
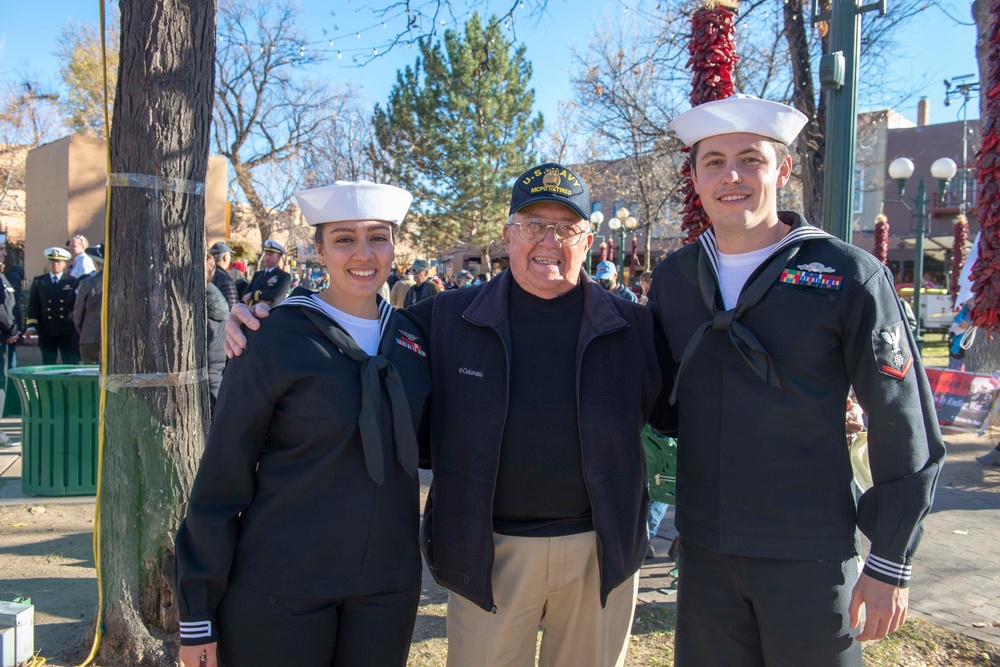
[
  {"x": 918, "y": 260},
  {"x": 621, "y": 252},
  {"x": 841, "y": 122},
  {"x": 965, "y": 155}
]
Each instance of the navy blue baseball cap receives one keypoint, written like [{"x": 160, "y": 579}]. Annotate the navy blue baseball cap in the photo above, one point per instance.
[{"x": 551, "y": 182}]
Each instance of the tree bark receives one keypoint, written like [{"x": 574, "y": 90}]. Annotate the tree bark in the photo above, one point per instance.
[
  {"x": 984, "y": 355},
  {"x": 156, "y": 302},
  {"x": 811, "y": 144}
]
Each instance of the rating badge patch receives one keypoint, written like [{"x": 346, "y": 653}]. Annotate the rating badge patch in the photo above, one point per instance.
[{"x": 892, "y": 351}]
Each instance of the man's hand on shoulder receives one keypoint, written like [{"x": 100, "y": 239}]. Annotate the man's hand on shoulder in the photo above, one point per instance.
[
  {"x": 242, "y": 315},
  {"x": 885, "y": 607}
]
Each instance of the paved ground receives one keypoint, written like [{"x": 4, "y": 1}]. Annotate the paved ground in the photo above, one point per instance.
[{"x": 956, "y": 576}]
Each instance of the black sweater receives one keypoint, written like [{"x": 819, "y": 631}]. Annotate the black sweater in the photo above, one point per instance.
[{"x": 540, "y": 489}]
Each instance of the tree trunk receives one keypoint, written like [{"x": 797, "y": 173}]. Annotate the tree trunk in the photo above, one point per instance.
[
  {"x": 981, "y": 15},
  {"x": 156, "y": 250},
  {"x": 984, "y": 355},
  {"x": 811, "y": 143}
]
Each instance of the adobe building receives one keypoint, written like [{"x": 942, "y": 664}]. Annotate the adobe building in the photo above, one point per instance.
[{"x": 66, "y": 181}]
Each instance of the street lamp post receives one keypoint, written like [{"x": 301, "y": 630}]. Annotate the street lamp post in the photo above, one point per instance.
[
  {"x": 596, "y": 218},
  {"x": 943, "y": 169},
  {"x": 622, "y": 221}
]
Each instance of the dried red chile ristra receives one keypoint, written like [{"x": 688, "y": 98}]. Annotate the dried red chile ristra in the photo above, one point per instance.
[
  {"x": 986, "y": 272},
  {"x": 961, "y": 233},
  {"x": 881, "y": 249},
  {"x": 713, "y": 57}
]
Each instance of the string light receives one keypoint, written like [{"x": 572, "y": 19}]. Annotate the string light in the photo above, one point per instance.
[{"x": 413, "y": 24}]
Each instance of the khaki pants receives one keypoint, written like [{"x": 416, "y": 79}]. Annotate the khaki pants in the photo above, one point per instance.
[{"x": 552, "y": 582}]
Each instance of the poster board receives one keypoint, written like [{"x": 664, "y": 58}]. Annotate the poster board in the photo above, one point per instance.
[{"x": 963, "y": 400}]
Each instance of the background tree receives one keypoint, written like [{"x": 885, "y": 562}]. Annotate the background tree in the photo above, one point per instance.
[
  {"x": 777, "y": 43},
  {"x": 266, "y": 111},
  {"x": 28, "y": 118},
  {"x": 459, "y": 128},
  {"x": 156, "y": 248},
  {"x": 345, "y": 147},
  {"x": 628, "y": 86},
  {"x": 79, "y": 51}
]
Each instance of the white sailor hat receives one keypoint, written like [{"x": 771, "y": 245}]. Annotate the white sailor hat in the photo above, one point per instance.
[
  {"x": 739, "y": 113},
  {"x": 273, "y": 246},
  {"x": 58, "y": 254},
  {"x": 354, "y": 200}
]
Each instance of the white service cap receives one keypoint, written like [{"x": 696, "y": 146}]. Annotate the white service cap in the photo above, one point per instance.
[
  {"x": 354, "y": 200},
  {"x": 739, "y": 113},
  {"x": 58, "y": 253}
]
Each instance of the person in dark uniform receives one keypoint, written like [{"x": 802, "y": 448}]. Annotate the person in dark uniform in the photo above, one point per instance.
[
  {"x": 300, "y": 541},
  {"x": 88, "y": 306},
  {"x": 50, "y": 310},
  {"x": 771, "y": 322},
  {"x": 270, "y": 285}
]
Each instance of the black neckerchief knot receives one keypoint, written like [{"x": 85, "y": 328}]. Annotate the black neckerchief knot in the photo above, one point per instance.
[
  {"x": 743, "y": 339},
  {"x": 376, "y": 371}
]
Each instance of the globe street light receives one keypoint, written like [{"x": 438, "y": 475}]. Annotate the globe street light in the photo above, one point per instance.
[
  {"x": 623, "y": 220},
  {"x": 943, "y": 169}
]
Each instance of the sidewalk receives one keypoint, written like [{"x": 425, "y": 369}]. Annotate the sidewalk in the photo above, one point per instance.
[{"x": 956, "y": 574}]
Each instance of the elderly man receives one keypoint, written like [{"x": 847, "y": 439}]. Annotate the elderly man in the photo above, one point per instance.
[
  {"x": 770, "y": 322},
  {"x": 537, "y": 510},
  {"x": 271, "y": 283},
  {"x": 49, "y": 316},
  {"x": 423, "y": 287}
]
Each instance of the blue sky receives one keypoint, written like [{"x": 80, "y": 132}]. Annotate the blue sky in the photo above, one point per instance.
[{"x": 933, "y": 46}]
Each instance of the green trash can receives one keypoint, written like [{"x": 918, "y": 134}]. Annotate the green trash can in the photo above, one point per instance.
[{"x": 59, "y": 424}]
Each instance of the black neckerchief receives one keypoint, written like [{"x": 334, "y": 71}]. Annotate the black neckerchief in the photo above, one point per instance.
[
  {"x": 372, "y": 367},
  {"x": 743, "y": 339}
]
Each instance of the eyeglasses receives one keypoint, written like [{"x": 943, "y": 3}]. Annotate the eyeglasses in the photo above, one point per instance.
[{"x": 533, "y": 230}]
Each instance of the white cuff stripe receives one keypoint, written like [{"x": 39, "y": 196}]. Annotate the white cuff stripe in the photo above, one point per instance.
[
  {"x": 196, "y": 629},
  {"x": 887, "y": 567}
]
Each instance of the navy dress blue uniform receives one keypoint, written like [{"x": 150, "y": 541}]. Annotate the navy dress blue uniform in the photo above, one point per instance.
[
  {"x": 270, "y": 286},
  {"x": 780, "y": 389},
  {"x": 50, "y": 314},
  {"x": 300, "y": 541},
  {"x": 771, "y": 322},
  {"x": 285, "y": 521}
]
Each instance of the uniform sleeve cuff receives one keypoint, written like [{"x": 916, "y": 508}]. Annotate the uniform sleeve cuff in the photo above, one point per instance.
[
  {"x": 195, "y": 633},
  {"x": 887, "y": 571}
]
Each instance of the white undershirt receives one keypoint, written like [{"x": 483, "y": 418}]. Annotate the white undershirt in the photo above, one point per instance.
[
  {"x": 366, "y": 333},
  {"x": 734, "y": 270}
]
